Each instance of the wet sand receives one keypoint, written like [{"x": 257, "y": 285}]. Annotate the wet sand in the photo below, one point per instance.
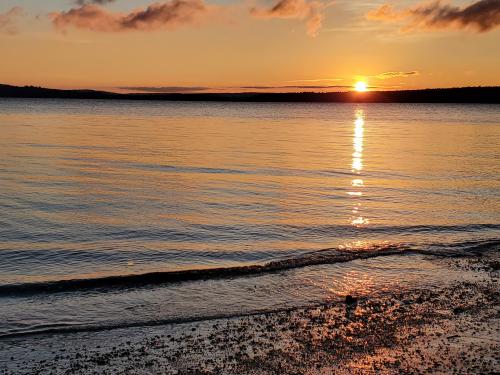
[{"x": 452, "y": 329}]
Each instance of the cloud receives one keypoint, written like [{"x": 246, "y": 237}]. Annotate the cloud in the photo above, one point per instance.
[
  {"x": 164, "y": 89},
  {"x": 480, "y": 16},
  {"x": 311, "y": 11},
  {"x": 317, "y": 80},
  {"x": 158, "y": 16},
  {"x": 195, "y": 89},
  {"x": 299, "y": 87},
  {"x": 100, "y": 2},
  {"x": 387, "y": 75},
  {"x": 7, "y": 20}
]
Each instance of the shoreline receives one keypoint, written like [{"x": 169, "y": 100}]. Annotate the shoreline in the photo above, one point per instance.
[
  {"x": 447, "y": 329},
  {"x": 459, "y": 95}
]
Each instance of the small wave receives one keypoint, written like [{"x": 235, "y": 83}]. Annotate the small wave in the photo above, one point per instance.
[
  {"x": 319, "y": 257},
  {"x": 325, "y": 256},
  {"x": 76, "y": 328}
]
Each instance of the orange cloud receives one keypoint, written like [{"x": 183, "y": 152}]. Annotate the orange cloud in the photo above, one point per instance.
[
  {"x": 480, "y": 16},
  {"x": 101, "y": 2},
  {"x": 157, "y": 16},
  {"x": 309, "y": 10},
  {"x": 7, "y": 23},
  {"x": 388, "y": 75}
]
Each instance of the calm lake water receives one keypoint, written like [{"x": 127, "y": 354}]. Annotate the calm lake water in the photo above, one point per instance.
[{"x": 92, "y": 189}]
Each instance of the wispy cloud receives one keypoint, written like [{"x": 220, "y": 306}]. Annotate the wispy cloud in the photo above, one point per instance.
[
  {"x": 311, "y": 11},
  {"x": 100, "y": 2},
  {"x": 317, "y": 80},
  {"x": 164, "y": 89},
  {"x": 157, "y": 16},
  {"x": 232, "y": 89},
  {"x": 388, "y": 75},
  {"x": 298, "y": 87},
  {"x": 7, "y": 20},
  {"x": 480, "y": 16}
]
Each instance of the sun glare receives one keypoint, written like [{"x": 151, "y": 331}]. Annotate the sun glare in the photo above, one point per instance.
[{"x": 360, "y": 86}]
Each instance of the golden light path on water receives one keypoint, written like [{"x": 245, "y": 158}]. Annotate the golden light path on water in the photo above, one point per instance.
[
  {"x": 357, "y": 182},
  {"x": 354, "y": 281}
]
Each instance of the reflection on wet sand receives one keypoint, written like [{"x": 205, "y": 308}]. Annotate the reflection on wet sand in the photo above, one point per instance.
[{"x": 357, "y": 182}]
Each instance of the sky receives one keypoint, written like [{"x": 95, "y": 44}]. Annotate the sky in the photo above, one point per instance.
[{"x": 249, "y": 45}]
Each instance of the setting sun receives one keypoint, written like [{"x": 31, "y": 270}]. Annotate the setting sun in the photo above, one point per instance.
[{"x": 360, "y": 86}]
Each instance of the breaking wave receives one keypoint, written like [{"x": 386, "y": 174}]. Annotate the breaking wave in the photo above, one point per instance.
[{"x": 320, "y": 257}]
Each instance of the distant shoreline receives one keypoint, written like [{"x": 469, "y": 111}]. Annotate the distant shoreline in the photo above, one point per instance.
[{"x": 464, "y": 95}]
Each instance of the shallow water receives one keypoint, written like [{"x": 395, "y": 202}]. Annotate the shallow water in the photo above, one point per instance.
[{"x": 92, "y": 189}]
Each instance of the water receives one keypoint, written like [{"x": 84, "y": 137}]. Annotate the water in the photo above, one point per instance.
[{"x": 96, "y": 189}]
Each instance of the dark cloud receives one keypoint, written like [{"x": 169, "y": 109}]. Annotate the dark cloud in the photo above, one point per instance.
[
  {"x": 164, "y": 89},
  {"x": 481, "y": 16},
  {"x": 182, "y": 89},
  {"x": 7, "y": 20},
  {"x": 157, "y": 16},
  {"x": 387, "y": 75},
  {"x": 309, "y": 10},
  {"x": 100, "y": 2},
  {"x": 298, "y": 87}
]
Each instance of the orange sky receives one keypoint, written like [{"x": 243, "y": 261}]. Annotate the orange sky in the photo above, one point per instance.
[{"x": 287, "y": 45}]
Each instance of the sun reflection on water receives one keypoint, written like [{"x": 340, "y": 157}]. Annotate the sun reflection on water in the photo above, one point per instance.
[{"x": 357, "y": 166}]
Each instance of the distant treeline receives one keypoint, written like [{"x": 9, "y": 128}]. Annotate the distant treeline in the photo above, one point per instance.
[{"x": 448, "y": 95}]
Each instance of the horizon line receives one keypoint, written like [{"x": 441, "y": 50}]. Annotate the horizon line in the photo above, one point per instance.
[{"x": 204, "y": 90}]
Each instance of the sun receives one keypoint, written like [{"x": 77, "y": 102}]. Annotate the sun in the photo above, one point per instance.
[{"x": 360, "y": 86}]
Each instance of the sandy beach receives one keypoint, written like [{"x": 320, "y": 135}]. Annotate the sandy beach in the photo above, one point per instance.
[{"x": 453, "y": 329}]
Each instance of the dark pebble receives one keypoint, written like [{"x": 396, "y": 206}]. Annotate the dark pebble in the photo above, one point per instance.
[{"x": 350, "y": 300}]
